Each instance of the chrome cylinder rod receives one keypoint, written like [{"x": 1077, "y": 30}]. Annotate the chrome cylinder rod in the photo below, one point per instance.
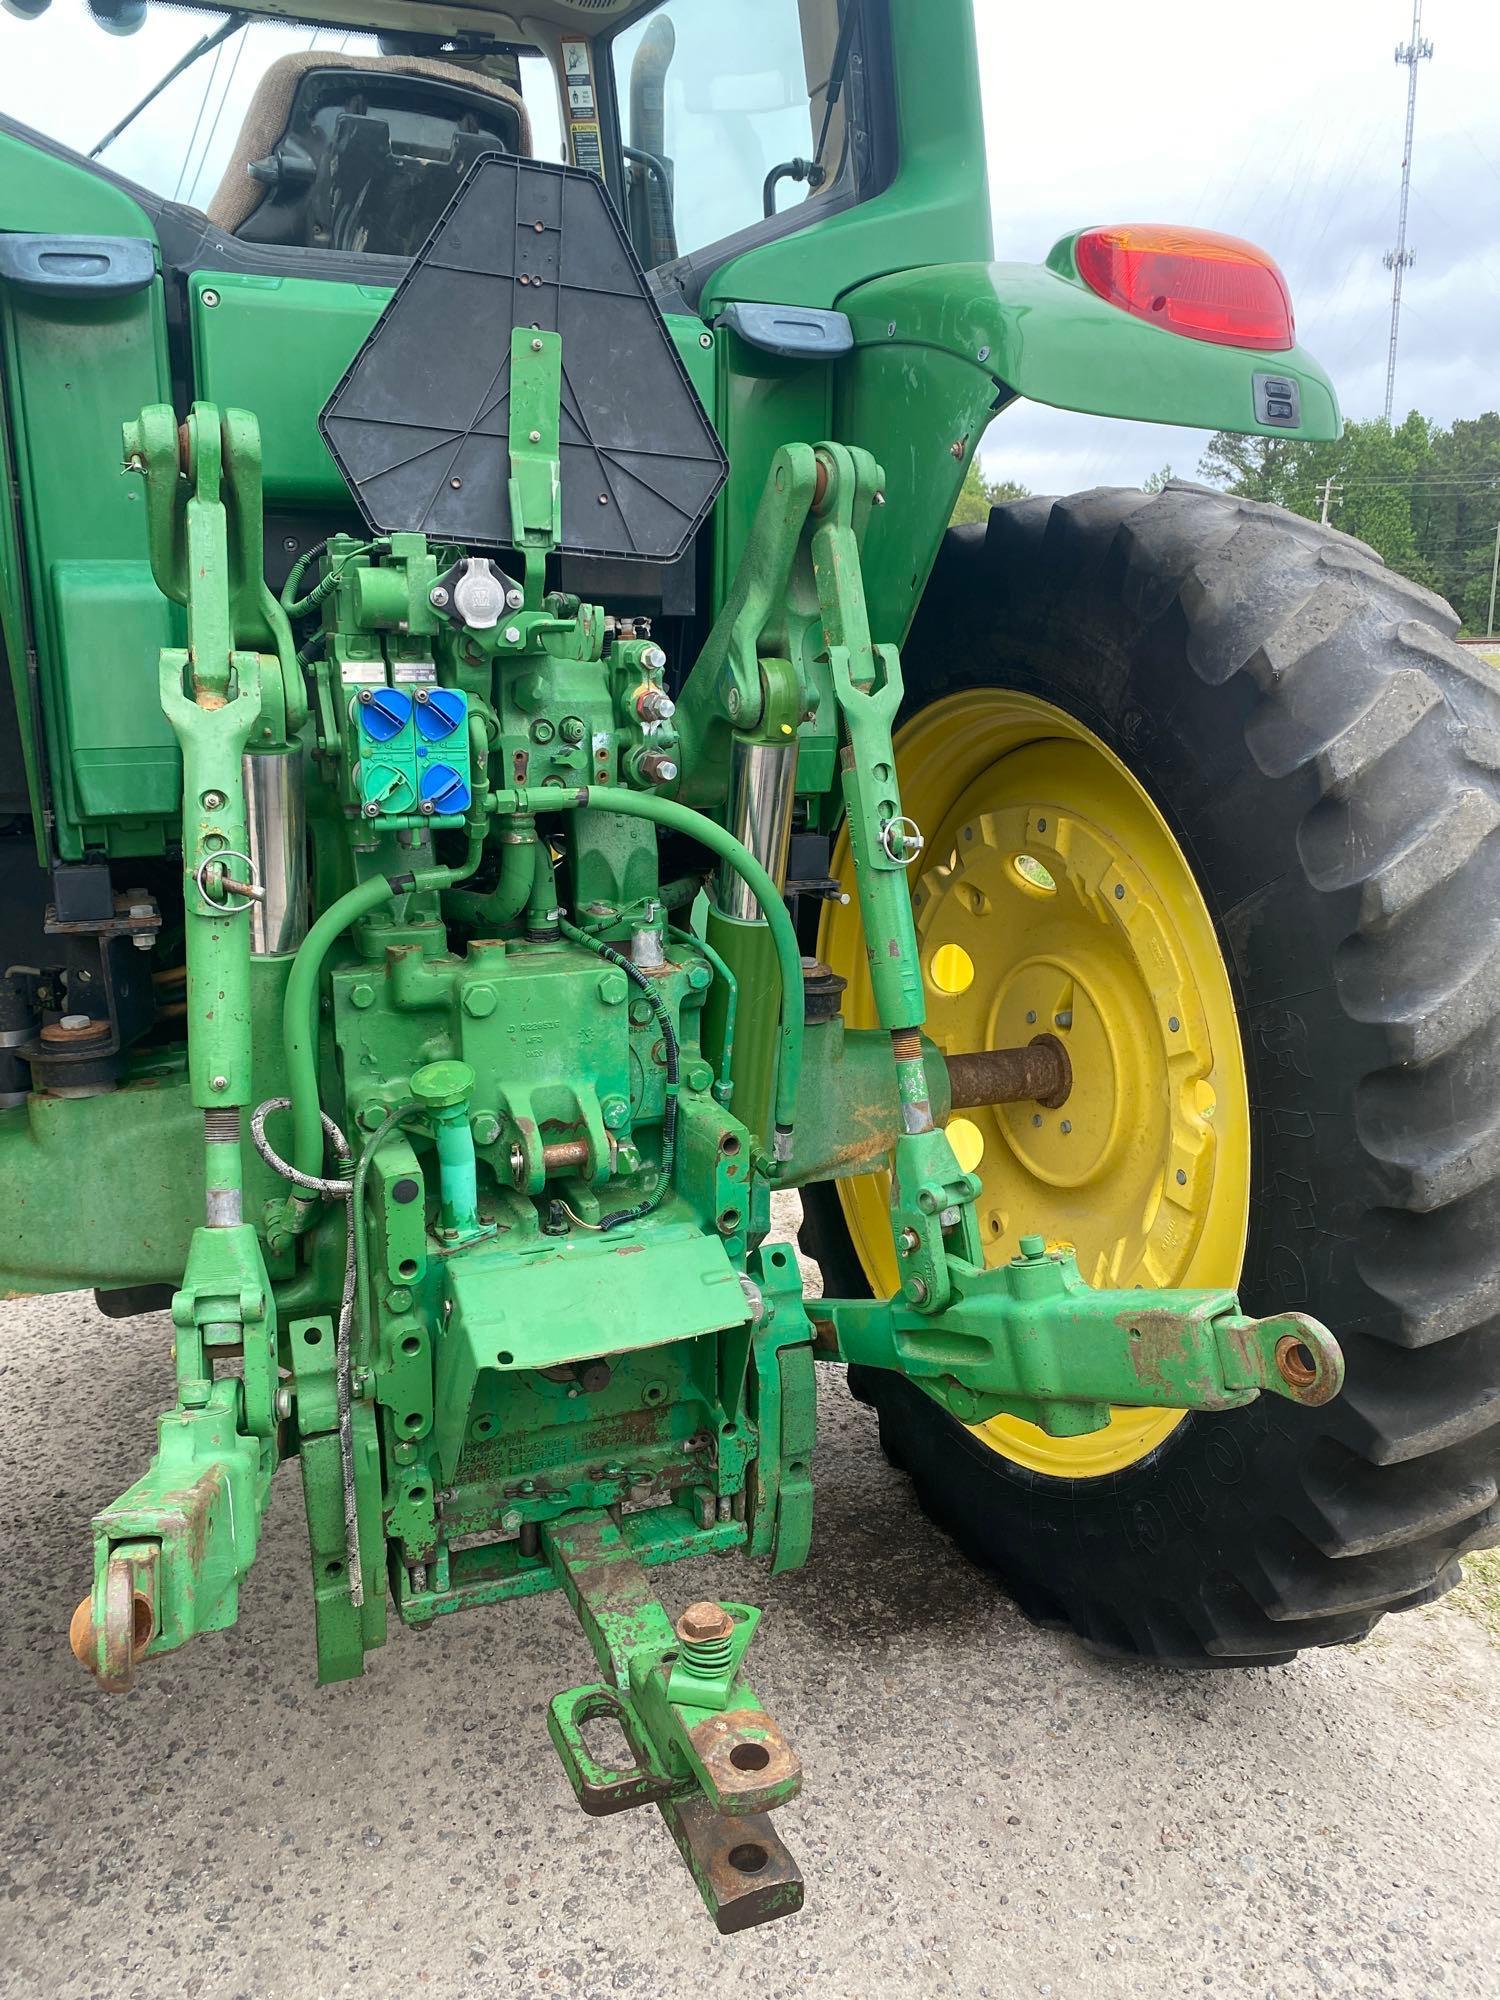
[
  {"x": 277, "y": 845},
  {"x": 763, "y": 792}
]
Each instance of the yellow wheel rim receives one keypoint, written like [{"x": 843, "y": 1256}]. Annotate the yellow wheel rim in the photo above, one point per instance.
[{"x": 1053, "y": 898}]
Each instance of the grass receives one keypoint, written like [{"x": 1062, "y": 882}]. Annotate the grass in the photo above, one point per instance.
[{"x": 1479, "y": 1593}]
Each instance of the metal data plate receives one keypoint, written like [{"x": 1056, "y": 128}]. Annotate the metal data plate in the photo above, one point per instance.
[{"x": 419, "y": 424}]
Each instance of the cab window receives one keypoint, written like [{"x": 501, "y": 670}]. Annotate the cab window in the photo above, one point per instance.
[{"x": 732, "y": 112}]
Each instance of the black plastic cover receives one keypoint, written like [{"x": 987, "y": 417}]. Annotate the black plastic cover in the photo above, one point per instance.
[
  {"x": 419, "y": 424},
  {"x": 77, "y": 267},
  {"x": 804, "y": 333}
]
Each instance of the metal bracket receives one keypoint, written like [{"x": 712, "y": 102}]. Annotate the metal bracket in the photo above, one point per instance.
[
  {"x": 703, "y": 1750},
  {"x": 535, "y": 482},
  {"x": 1031, "y": 1339}
]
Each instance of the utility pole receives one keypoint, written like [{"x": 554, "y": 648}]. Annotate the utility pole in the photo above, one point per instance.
[
  {"x": 1494, "y": 579},
  {"x": 1397, "y": 260},
  {"x": 1329, "y": 489}
]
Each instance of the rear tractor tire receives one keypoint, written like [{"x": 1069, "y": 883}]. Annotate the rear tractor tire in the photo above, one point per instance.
[{"x": 1209, "y": 793}]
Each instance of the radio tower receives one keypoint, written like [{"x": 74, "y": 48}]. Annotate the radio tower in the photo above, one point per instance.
[{"x": 1397, "y": 260}]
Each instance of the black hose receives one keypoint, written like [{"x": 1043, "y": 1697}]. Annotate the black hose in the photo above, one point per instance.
[
  {"x": 669, "y": 1045},
  {"x": 302, "y": 607}
]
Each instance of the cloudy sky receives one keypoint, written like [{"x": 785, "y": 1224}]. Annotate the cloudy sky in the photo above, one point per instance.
[
  {"x": 1277, "y": 121},
  {"x": 1280, "y": 120}
]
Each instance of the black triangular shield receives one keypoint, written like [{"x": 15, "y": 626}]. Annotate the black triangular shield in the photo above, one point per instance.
[{"x": 419, "y": 423}]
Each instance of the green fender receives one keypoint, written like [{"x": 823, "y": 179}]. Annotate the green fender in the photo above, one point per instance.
[{"x": 1039, "y": 332}]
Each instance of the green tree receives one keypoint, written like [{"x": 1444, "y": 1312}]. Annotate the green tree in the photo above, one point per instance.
[
  {"x": 977, "y": 495},
  {"x": 1425, "y": 499},
  {"x": 1155, "y": 481},
  {"x": 1457, "y": 514}
]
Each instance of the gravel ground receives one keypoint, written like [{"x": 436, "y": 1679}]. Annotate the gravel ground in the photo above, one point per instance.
[{"x": 989, "y": 1811}]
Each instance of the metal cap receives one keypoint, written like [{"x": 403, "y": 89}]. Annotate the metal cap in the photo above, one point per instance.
[{"x": 441, "y": 1085}]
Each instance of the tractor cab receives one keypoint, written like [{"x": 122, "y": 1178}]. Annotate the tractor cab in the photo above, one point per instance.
[
  {"x": 346, "y": 152},
  {"x": 702, "y": 119}
]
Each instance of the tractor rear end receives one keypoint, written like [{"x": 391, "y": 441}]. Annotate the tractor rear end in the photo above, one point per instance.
[{"x": 499, "y": 797}]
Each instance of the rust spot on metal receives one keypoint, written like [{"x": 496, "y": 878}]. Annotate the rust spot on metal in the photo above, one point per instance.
[
  {"x": 1039, "y": 1073},
  {"x": 748, "y": 1761},
  {"x": 1294, "y": 1363},
  {"x": 705, "y": 1620},
  {"x": 1159, "y": 1343},
  {"x": 741, "y": 1867}
]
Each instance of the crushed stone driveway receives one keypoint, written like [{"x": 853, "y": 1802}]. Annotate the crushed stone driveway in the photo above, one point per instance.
[{"x": 988, "y": 1809}]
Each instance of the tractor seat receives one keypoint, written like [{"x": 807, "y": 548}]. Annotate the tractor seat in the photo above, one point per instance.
[{"x": 345, "y": 152}]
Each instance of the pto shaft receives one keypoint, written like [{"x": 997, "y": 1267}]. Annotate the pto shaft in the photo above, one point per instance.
[{"x": 1039, "y": 1073}]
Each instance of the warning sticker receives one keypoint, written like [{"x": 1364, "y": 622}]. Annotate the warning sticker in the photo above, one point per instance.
[
  {"x": 583, "y": 112},
  {"x": 587, "y": 150}
]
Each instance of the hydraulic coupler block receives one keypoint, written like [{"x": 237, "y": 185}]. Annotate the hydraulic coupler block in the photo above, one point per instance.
[{"x": 412, "y": 751}]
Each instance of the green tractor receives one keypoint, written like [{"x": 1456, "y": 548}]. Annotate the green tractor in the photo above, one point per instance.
[{"x": 505, "y": 771}]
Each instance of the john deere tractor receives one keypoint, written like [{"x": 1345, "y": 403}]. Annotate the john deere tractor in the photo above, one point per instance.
[{"x": 506, "y": 770}]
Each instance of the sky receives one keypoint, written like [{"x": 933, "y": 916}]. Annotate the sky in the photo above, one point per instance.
[
  {"x": 1279, "y": 122},
  {"x": 1276, "y": 121}
]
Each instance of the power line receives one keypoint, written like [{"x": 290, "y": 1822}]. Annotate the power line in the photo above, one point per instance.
[
  {"x": 218, "y": 114},
  {"x": 208, "y": 85},
  {"x": 1397, "y": 260}
]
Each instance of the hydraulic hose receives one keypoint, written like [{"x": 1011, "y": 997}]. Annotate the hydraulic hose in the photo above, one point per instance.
[
  {"x": 541, "y": 905},
  {"x": 708, "y": 832},
  {"x": 491, "y": 910},
  {"x": 299, "y": 1016}
]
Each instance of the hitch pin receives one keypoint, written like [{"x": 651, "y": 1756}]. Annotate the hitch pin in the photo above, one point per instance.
[{"x": 216, "y": 885}]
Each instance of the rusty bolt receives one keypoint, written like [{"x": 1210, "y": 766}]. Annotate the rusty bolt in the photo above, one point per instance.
[
  {"x": 704, "y": 1622},
  {"x": 910, "y": 1241}
]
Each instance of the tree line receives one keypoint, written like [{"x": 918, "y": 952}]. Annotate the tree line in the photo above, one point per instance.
[{"x": 1426, "y": 498}]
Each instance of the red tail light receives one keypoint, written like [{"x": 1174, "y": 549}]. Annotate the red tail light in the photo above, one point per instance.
[{"x": 1191, "y": 281}]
